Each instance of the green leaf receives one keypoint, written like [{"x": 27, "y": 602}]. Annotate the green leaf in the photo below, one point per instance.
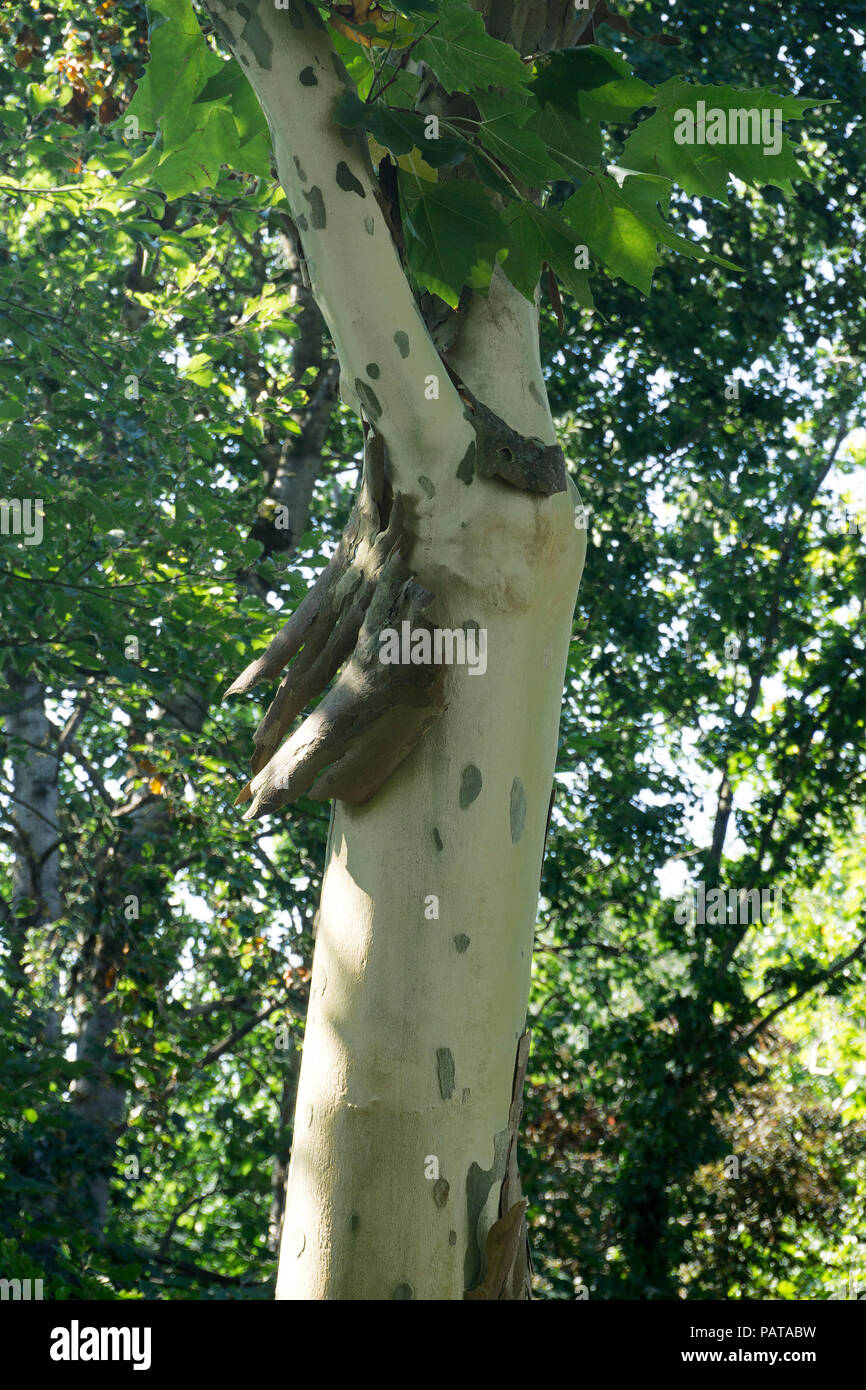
[
  {"x": 464, "y": 56},
  {"x": 575, "y": 144},
  {"x": 503, "y": 133},
  {"x": 195, "y": 162},
  {"x": 536, "y": 235},
  {"x": 455, "y": 233},
  {"x": 592, "y": 83},
  {"x": 230, "y": 87},
  {"x": 180, "y": 65},
  {"x": 623, "y": 227},
  {"x": 615, "y": 234},
  {"x": 676, "y": 143}
]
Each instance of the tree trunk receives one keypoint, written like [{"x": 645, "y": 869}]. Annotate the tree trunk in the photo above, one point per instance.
[
  {"x": 421, "y": 971},
  {"x": 402, "y": 1181},
  {"x": 36, "y": 868}
]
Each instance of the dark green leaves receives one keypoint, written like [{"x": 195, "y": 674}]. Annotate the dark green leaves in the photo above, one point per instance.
[
  {"x": 463, "y": 55},
  {"x": 455, "y": 233},
  {"x": 700, "y": 136},
  {"x": 505, "y": 134},
  {"x": 592, "y": 83},
  {"x": 537, "y": 235},
  {"x": 573, "y": 143}
]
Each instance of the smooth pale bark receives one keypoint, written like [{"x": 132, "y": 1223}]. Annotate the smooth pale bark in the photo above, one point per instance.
[
  {"x": 413, "y": 1025},
  {"x": 422, "y": 964}
]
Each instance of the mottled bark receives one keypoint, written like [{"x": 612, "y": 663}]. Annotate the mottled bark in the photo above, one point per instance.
[{"x": 403, "y": 1165}]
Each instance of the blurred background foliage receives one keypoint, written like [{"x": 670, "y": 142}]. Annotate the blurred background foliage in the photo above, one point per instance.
[{"x": 695, "y": 1122}]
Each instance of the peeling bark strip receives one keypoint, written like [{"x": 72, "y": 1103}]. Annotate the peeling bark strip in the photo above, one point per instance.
[
  {"x": 501, "y": 452},
  {"x": 506, "y": 1273},
  {"x": 372, "y": 717}
]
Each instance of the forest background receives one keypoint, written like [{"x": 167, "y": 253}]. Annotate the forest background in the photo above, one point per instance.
[{"x": 695, "y": 1120}]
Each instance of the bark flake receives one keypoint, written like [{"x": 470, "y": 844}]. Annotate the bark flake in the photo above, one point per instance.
[
  {"x": 402, "y": 341},
  {"x": 347, "y": 181},
  {"x": 466, "y": 471},
  {"x": 462, "y": 942},
  {"x": 445, "y": 1071},
  {"x": 517, "y": 810},
  {"x": 318, "y": 217},
  {"x": 470, "y": 785},
  {"x": 368, "y": 398},
  {"x": 479, "y": 1182},
  {"x": 523, "y": 462}
]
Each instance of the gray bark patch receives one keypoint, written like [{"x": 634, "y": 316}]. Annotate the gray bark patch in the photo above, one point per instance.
[
  {"x": 441, "y": 1189},
  {"x": 347, "y": 181},
  {"x": 317, "y": 207},
  {"x": 517, "y": 810},
  {"x": 354, "y": 1221},
  {"x": 404, "y": 1291},
  {"x": 470, "y": 785},
  {"x": 369, "y": 226},
  {"x": 372, "y": 370},
  {"x": 425, "y": 483},
  {"x": 479, "y": 1181},
  {"x": 308, "y": 78},
  {"x": 255, "y": 35},
  {"x": 466, "y": 471},
  {"x": 461, "y": 941},
  {"x": 445, "y": 1072},
  {"x": 301, "y": 175},
  {"x": 402, "y": 341},
  {"x": 437, "y": 839},
  {"x": 452, "y": 1237},
  {"x": 302, "y": 222},
  {"x": 368, "y": 398}
]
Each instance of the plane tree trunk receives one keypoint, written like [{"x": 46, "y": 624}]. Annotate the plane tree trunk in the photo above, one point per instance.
[{"x": 403, "y": 1180}]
